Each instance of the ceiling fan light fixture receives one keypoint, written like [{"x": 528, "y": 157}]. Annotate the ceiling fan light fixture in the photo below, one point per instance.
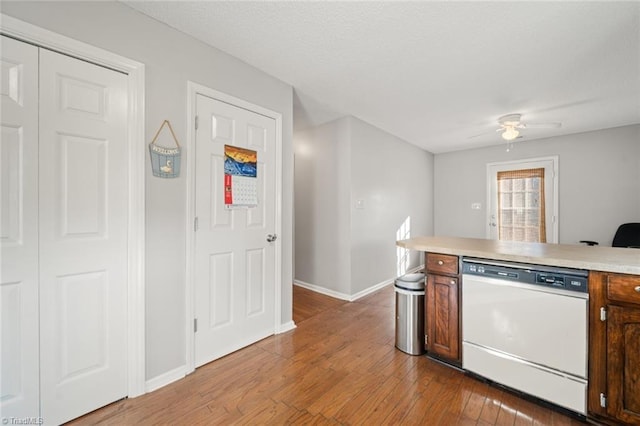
[{"x": 510, "y": 133}]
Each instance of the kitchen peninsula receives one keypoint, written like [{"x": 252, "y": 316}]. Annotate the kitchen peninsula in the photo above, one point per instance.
[
  {"x": 613, "y": 395},
  {"x": 594, "y": 258}
]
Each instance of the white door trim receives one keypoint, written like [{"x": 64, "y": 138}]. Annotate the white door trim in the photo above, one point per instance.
[
  {"x": 136, "y": 223},
  {"x": 194, "y": 89}
]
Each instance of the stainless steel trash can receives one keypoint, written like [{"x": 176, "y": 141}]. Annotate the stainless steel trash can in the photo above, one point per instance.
[{"x": 410, "y": 313}]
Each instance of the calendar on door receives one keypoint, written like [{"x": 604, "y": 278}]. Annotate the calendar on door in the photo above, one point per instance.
[{"x": 240, "y": 177}]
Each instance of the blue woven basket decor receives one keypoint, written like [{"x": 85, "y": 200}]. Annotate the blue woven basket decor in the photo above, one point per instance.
[{"x": 165, "y": 162}]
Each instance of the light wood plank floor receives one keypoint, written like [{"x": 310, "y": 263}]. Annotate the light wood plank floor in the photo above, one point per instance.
[{"x": 339, "y": 366}]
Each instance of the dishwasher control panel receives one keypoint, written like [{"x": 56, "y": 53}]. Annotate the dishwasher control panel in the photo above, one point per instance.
[
  {"x": 561, "y": 278},
  {"x": 567, "y": 282}
]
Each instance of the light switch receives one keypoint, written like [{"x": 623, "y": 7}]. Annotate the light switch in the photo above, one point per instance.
[
  {"x": 360, "y": 203},
  {"x": 476, "y": 206}
]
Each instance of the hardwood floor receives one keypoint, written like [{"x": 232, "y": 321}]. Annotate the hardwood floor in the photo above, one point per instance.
[{"x": 339, "y": 366}]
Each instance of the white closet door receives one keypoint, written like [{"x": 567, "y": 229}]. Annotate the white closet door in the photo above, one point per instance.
[
  {"x": 19, "y": 230},
  {"x": 83, "y": 236}
]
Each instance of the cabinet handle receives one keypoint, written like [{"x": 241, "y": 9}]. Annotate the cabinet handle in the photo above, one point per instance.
[
  {"x": 637, "y": 289},
  {"x": 440, "y": 262},
  {"x": 453, "y": 282}
]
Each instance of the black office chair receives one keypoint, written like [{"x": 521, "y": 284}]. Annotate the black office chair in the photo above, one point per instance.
[{"x": 627, "y": 235}]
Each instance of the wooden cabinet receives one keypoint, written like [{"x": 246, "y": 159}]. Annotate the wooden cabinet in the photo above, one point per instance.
[
  {"x": 614, "y": 348},
  {"x": 442, "y": 302}
]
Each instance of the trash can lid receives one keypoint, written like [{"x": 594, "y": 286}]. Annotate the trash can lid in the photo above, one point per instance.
[
  {"x": 411, "y": 282},
  {"x": 411, "y": 278}
]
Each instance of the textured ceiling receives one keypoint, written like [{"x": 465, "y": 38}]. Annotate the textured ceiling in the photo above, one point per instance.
[{"x": 435, "y": 74}]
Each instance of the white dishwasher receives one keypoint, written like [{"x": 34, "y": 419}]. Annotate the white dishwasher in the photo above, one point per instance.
[{"x": 526, "y": 327}]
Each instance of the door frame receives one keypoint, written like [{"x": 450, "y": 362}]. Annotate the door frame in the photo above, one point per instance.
[
  {"x": 135, "y": 71},
  {"x": 193, "y": 90}
]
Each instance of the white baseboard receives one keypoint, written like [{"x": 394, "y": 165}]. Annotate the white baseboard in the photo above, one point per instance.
[
  {"x": 372, "y": 289},
  {"x": 165, "y": 379},
  {"x": 358, "y": 295},
  {"x": 322, "y": 290},
  {"x": 380, "y": 285},
  {"x": 283, "y": 328},
  {"x": 416, "y": 269}
]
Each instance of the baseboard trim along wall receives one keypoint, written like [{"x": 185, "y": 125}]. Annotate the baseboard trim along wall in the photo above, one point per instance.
[
  {"x": 165, "y": 379},
  {"x": 322, "y": 290},
  {"x": 371, "y": 289},
  {"x": 283, "y": 328},
  {"x": 347, "y": 297}
]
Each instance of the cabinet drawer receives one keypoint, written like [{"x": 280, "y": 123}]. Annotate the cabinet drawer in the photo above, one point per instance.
[
  {"x": 623, "y": 288},
  {"x": 442, "y": 263}
]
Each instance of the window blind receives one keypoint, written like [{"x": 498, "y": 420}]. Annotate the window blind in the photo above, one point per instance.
[{"x": 521, "y": 211}]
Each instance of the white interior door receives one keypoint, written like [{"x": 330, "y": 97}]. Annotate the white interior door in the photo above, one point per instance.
[
  {"x": 234, "y": 263},
  {"x": 19, "y": 230},
  {"x": 83, "y": 188}
]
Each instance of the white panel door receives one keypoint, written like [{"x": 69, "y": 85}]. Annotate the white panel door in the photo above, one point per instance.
[
  {"x": 83, "y": 236},
  {"x": 234, "y": 262},
  {"x": 19, "y": 230}
]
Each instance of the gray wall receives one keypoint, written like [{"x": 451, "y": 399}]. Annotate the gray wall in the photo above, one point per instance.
[
  {"x": 395, "y": 181},
  {"x": 322, "y": 179},
  {"x": 343, "y": 248},
  {"x": 171, "y": 59},
  {"x": 598, "y": 179}
]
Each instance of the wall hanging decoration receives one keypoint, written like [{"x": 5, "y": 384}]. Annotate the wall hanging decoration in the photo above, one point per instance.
[
  {"x": 165, "y": 162},
  {"x": 240, "y": 177}
]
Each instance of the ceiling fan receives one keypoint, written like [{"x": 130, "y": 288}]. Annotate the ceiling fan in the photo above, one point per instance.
[{"x": 511, "y": 124}]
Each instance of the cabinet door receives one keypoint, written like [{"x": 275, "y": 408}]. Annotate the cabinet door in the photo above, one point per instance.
[
  {"x": 442, "y": 316},
  {"x": 623, "y": 353}
]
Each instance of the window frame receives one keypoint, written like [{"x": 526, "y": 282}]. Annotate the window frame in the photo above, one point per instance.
[{"x": 550, "y": 165}]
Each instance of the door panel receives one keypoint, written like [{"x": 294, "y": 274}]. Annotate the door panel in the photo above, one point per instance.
[
  {"x": 256, "y": 281},
  {"x": 623, "y": 358},
  {"x": 219, "y": 285},
  {"x": 12, "y": 179},
  {"x": 219, "y": 216},
  {"x": 498, "y": 315},
  {"x": 234, "y": 265},
  {"x": 83, "y": 186},
  {"x": 442, "y": 316},
  {"x": 19, "y": 343},
  {"x": 83, "y": 236}
]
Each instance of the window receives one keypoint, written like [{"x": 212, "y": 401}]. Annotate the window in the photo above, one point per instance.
[
  {"x": 522, "y": 200},
  {"x": 521, "y": 214},
  {"x": 402, "y": 254}
]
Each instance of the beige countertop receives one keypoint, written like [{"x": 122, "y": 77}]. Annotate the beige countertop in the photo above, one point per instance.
[{"x": 595, "y": 258}]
